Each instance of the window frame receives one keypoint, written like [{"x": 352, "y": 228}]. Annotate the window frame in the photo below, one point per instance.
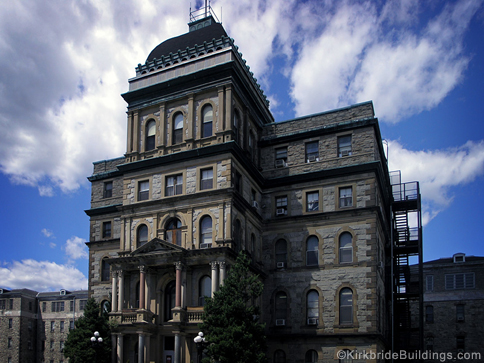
[
  {"x": 429, "y": 283},
  {"x": 143, "y": 190},
  {"x": 108, "y": 189},
  {"x": 177, "y": 137},
  {"x": 174, "y": 185},
  {"x": 204, "y": 287},
  {"x": 209, "y": 185},
  {"x": 150, "y": 135},
  {"x": 312, "y": 306},
  {"x": 139, "y": 241},
  {"x": 280, "y": 156},
  {"x": 315, "y": 195},
  {"x": 313, "y": 153},
  {"x": 280, "y": 254},
  {"x": 105, "y": 270},
  {"x": 205, "y": 124},
  {"x": 429, "y": 314},
  {"x": 107, "y": 232},
  {"x": 345, "y": 148},
  {"x": 346, "y": 311},
  {"x": 345, "y": 200},
  {"x": 281, "y": 203},
  {"x": 347, "y": 249},
  {"x": 314, "y": 240},
  {"x": 460, "y": 313},
  {"x": 206, "y": 233}
]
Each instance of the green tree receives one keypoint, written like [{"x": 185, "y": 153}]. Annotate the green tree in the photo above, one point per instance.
[
  {"x": 78, "y": 346},
  {"x": 230, "y": 322}
]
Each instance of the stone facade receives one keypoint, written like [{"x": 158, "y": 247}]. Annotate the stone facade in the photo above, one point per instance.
[
  {"x": 34, "y": 326},
  {"x": 307, "y": 199},
  {"x": 453, "y": 307}
]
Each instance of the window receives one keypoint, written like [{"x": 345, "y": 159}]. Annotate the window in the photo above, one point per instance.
[
  {"x": 71, "y": 303},
  {"x": 281, "y": 253},
  {"x": 345, "y": 248},
  {"x": 57, "y": 306},
  {"x": 279, "y": 356},
  {"x": 312, "y": 307},
  {"x": 281, "y": 308},
  {"x": 61, "y": 346},
  {"x": 429, "y": 343},
  {"x": 281, "y": 157},
  {"x": 205, "y": 289},
  {"x": 174, "y": 185},
  {"x": 206, "y": 232},
  {"x": 10, "y": 323},
  {"x": 344, "y": 145},
  {"x": 460, "y": 343},
  {"x": 459, "y": 281},
  {"x": 459, "y": 257},
  {"x": 106, "y": 229},
  {"x": 237, "y": 181},
  {"x": 429, "y": 283},
  {"x": 252, "y": 243},
  {"x": 170, "y": 296},
  {"x": 71, "y": 325},
  {"x": 345, "y": 197},
  {"x": 44, "y": 307},
  {"x": 281, "y": 205},
  {"x": 460, "y": 312},
  {"x": 104, "y": 271},
  {"x": 173, "y": 232},
  {"x": 178, "y": 128},
  {"x": 150, "y": 135},
  {"x": 9, "y": 343},
  {"x": 311, "y": 356},
  {"x": 312, "y": 151},
  {"x": 61, "y": 326},
  {"x": 82, "y": 304},
  {"x": 429, "y": 314},
  {"x": 312, "y": 201},
  {"x": 52, "y": 326},
  {"x": 108, "y": 189},
  {"x": 346, "y": 306},
  {"x": 51, "y": 345},
  {"x": 11, "y": 304},
  {"x": 312, "y": 245},
  {"x": 142, "y": 235},
  {"x": 2, "y": 304},
  {"x": 237, "y": 237},
  {"x": 206, "y": 181},
  {"x": 143, "y": 190},
  {"x": 207, "y": 121},
  {"x": 236, "y": 126}
]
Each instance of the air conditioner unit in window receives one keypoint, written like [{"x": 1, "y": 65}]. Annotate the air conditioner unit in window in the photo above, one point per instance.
[
  {"x": 312, "y": 321},
  {"x": 281, "y": 265},
  {"x": 255, "y": 204},
  {"x": 280, "y": 163},
  {"x": 312, "y": 158},
  {"x": 281, "y": 212},
  {"x": 345, "y": 153},
  {"x": 460, "y": 318},
  {"x": 280, "y": 322},
  {"x": 205, "y": 245}
]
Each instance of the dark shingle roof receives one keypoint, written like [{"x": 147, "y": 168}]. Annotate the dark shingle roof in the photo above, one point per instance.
[{"x": 215, "y": 30}]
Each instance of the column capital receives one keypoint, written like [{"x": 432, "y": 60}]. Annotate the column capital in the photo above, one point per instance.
[
  {"x": 214, "y": 265},
  {"x": 143, "y": 268},
  {"x": 222, "y": 264},
  {"x": 178, "y": 265}
]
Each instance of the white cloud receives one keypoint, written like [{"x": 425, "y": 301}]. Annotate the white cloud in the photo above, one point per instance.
[
  {"x": 438, "y": 171},
  {"x": 41, "y": 276},
  {"x": 47, "y": 233},
  {"x": 75, "y": 248}
]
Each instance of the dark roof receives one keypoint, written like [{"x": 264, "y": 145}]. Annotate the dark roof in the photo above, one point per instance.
[
  {"x": 215, "y": 30},
  {"x": 450, "y": 260}
]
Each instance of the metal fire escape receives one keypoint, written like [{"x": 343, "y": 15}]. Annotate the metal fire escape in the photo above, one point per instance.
[{"x": 407, "y": 268}]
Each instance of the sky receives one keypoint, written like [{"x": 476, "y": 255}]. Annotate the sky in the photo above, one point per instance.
[{"x": 64, "y": 64}]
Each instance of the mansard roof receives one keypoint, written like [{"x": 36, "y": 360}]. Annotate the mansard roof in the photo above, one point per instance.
[{"x": 188, "y": 40}]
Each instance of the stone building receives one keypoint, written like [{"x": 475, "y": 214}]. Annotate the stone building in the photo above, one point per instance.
[
  {"x": 454, "y": 306},
  {"x": 34, "y": 326},
  {"x": 208, "y": 173}
]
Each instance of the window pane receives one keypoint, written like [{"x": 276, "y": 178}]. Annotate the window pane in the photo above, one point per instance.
[
  {"x": 142, "y": 235},
  {"x": 346, "y": 306},
  {"x": 207, "y": 179},
  {"x": 207, "y": 121},
  {"x": 345, "y": 197},
  {"x": 430, "y": 283},
  {"x": 345, "y": 248},
  {"x": 312, "y": 201},
  {"x": 144, "y": 190},
  {"x": 205, "y": 289},
  {"x": 313, "y": 304},
  {"x": 178, "y": 121},
  {"x": 281, "y": 305},
  {"x": 108, "y": 189},
  {"x": 312, "y": 251},
  {"x": 281, "y": 251},
  {"x": 344, "y": 145},
  {"x": 206, "y": 227},
  {"x": 312, "y": 152}
]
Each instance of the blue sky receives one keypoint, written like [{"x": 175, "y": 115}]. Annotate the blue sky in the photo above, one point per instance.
[{"x": 65, "y": 63}]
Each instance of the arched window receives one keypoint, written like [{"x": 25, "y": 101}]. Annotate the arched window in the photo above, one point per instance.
[
  {"x": 312, "y": 245},
  {"x": 205, "y": 289},
  {"x": 346, "y": 306},
  {"x": 178, "y": 128},
  {"x": 311, "y": 356},
  {"x": 105, "y": 270},
  {"x": 173, "y": 231},
  {"x": 279, "y": 356},
  {"x": 236, "y": 125},
  {"x": 345, "y": 247},
  {"x": 142, "y": 235},
  {"x": 281, "y": 308},
  {"x": 206, "y": 232},
  {"x": 170, "y": 294},
  {"x": 207, "y": 121},
  {"x": 312, "y": 307},
  {"x": 281, "y": 253},
  {"x": 150, "y": 135}
]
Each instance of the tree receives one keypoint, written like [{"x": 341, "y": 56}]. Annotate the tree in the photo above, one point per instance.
[
  {"x": 230, "y": 322},
  {"x": 78, "y": 346}
]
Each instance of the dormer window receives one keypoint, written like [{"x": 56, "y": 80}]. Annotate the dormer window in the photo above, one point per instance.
[{"x": 459, "y": 257}]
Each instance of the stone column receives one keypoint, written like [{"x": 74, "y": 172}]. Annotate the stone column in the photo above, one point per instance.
[
  {"x": 120, "y": 290},
  {"x": 120, "y": 349},
  {"x": 222, "y": 272},
  {"x": 114, "y": 292},
  {"x": 214, "y": 266},
  {"x": 220, "y": 120},
  {"x": 136, "y": 133},
  {"x": 162, "y": 130},
  {"x": 177, "y": 348},
  {"x": 141, "y": 348},
  {"x": 142, "y": 282},
  {"x": 191, "y": 119},
  {"x": 178, "y": 266}
]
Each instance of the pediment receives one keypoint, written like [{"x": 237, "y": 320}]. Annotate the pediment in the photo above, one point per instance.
[{"x": 157, "y": 245}]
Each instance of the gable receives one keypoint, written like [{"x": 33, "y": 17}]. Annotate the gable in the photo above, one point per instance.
[{"x": 157, "y": 245}]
